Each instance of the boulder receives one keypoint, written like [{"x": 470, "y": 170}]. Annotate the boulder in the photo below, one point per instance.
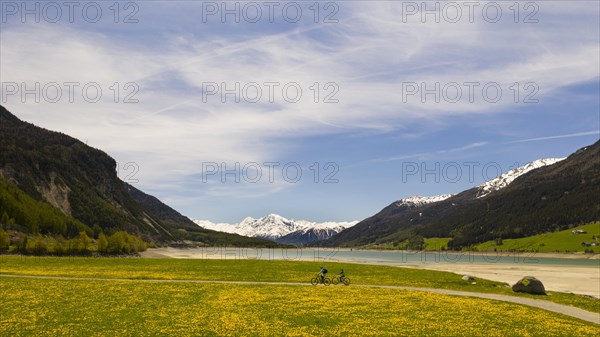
[
  {"x": 530, "y": 285},
  {"x": 468, "y": 278}
]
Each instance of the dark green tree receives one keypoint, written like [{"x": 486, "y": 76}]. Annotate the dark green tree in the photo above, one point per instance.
[
  {"x": 40, "y": 246},
  {"x": 102, "y": 244},
  {"x": 4, "y": 241}
]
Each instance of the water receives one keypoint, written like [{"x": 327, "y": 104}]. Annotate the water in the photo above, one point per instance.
[{"x": 393, "y": 258}]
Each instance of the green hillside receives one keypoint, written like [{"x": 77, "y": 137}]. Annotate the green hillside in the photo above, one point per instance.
[
  {"x": 21, "y": 212},
  {"x": 563, "y": 241},
  {"x": 62, "y": 171}
]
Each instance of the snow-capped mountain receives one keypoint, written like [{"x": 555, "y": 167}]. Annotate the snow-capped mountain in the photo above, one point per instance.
[
  {"x": 219, "y": 227},
  {"x": 417, "y": 200},
  {"x": 308, "y": 235},
  {"x": 301, "y": 232},
  {"x": 541, "y": 196},
  {"x": 270, "y": 227},
  {"x": 508, "y": 177},
  {"x": 485, "y": 188},
  {"x": 275, "y": 227}
]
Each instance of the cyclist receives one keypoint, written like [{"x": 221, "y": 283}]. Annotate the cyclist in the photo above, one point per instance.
[
  {"x": 341, "y": 275},
  {"x": 323, "y": 273}
]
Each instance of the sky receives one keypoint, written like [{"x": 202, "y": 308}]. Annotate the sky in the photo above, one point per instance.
[{"x": 324, "y": 111}]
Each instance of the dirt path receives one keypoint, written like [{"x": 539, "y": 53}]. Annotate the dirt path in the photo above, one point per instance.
[{"x": 541, "y": 304}]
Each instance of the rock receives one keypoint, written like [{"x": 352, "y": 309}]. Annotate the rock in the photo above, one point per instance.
[
  {"x": 530, "y": 285},
  {"x": 468, "y": 278}
]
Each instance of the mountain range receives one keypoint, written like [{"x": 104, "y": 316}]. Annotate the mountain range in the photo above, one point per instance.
[
  {"x": 279, "y": 229},
  {"x": 54, "y": 184},
  {"x": 543, "y": 196}
]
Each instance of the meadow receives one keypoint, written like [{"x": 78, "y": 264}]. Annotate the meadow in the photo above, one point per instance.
[
  {"x": 562, "y": 241},
  {"x": 436, "y": 243},
  {"x": 143, "y": 305}
]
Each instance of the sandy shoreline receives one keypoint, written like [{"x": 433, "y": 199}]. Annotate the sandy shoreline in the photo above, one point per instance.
[
  {"x": 577, "y": 280},
  {"x": 571, "y": 279}
]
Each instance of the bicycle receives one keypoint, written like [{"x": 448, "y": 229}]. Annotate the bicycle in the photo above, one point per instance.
[
  {"x": 344, "y": 280},
  {"x": 318, "y": 279}
]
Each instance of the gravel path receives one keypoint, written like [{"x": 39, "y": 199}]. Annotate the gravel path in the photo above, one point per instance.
[{"x": 546, "y": 305}]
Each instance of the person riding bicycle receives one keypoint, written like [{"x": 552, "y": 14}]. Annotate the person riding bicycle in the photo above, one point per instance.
[
  {"x": 323, "y": 273},
  {"x": 341, "y": 275}
]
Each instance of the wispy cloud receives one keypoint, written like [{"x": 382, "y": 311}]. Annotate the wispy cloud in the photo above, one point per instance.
[
  {"x": 369, "y": 54},
  {"x": 420, "y": 155},
  {"x": 570, "y": 135},
  {"x": 427, "y": 155}
]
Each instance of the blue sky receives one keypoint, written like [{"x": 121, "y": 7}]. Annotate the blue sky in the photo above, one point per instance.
[{"x": 367, "y": 137}]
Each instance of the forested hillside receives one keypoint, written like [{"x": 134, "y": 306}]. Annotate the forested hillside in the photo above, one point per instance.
[{"x": 53, "y": 184}]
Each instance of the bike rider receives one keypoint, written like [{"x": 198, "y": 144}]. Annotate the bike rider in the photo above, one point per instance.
[
  {"x": 323, "y": 273},
  {"x": 341, "y": 275}
]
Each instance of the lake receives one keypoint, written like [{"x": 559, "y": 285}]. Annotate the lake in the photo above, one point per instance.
[{"x": 394, "y": 258}]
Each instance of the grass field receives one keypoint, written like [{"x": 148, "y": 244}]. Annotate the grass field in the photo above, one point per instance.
[
  {"x": 436, "y": 243},
  {"x": 563, "y": 241},
  {"x": 133, "y": 308}
]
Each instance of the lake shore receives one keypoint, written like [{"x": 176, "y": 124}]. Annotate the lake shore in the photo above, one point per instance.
[
  {"x": 577, "y": 255},
  {"x": 576, "y": 280},
  {"x": 570, "y": 279},
  {"x": 186, "y": 253}
]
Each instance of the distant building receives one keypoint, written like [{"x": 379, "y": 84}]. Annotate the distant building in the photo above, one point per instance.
[{"x": 578, "y": 231}]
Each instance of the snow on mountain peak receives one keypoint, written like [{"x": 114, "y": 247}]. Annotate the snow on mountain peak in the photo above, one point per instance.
[
  {"x": 508, "y": 177},
  {"x": 272, "y": 226},
  {"x": 247, "y": 220},
  {"x": 220, "y": 227},
  {"x": 325, "y": 225},
  {"x": 417, "y": 200}
]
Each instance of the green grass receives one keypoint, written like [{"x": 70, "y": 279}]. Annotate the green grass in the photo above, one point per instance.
[
  {"x": 263, "y": 271},
  {"x": 563, "y": 241},
  {"x": 436, "y": 243},
  {"x": 35, "y": 307},
  {"x": 232, "y": 270}
]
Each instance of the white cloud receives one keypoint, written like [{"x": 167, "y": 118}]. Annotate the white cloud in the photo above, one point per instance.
[
  {"x": 170, "y": 132},
  {"x": 570, "y": 135}
]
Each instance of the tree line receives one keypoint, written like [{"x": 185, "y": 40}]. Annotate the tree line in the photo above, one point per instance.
[{"x": 118, "y": 243}]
